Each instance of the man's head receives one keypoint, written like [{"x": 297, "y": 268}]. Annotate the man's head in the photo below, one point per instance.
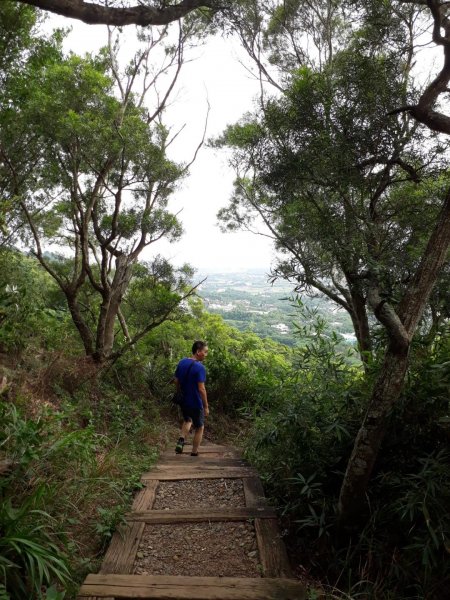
[{"x": 200, "y": 350}]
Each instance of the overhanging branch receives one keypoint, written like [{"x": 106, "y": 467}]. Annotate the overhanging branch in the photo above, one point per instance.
[
  {"x": 99, "y": 14},
  {"x": 424, "y": 111}
]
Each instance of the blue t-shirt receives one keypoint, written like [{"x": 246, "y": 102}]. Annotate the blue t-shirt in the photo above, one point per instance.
[{"x": 189, "y": 381}]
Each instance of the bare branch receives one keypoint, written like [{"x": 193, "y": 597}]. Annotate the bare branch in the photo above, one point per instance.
[
  {"x": 202, "y": 141},
  {"x": 38, "y": 253}
]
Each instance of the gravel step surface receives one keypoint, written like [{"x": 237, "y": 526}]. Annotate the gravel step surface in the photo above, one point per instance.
[
  {"x": 199, "y": 493},
  {"x": 222, "y": 549},
  {"x": 226, "y": 549}
]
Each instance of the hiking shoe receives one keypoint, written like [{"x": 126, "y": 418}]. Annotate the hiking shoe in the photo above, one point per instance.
[{"x": 180, "y": 445}]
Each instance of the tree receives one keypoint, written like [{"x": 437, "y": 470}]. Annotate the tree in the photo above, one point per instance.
[
  {"x": 100, "y": 182},
  {"x": 404, "y": 319},
  {"x": 319, "y": 164},
  {"x": 344, "y": 187}
]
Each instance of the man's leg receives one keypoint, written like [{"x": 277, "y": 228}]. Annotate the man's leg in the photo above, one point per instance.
[
  {"x": 197, "y": 439},
  {"x": 185, "y": 429}
]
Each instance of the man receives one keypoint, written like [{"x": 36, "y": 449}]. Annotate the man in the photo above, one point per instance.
[{"x": 190, "y": 377}]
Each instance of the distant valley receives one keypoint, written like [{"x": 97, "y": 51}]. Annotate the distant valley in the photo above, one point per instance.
[{"x": 247, "y": 301}]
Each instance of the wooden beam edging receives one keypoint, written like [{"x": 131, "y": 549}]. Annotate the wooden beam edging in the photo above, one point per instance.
[
  {"x": 254, "y": 492},
  {"x": 121, "y": 553},
  {"x": 191, "y": 588},
  {"x": 241, "y": 513},
  {"x": 272, "y": 551},
  {"x": 145, "y": 498},
  {"x": 188, "y": 472}
]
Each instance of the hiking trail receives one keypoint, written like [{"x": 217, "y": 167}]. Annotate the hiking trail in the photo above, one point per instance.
[{"x": 200, "y": 529}]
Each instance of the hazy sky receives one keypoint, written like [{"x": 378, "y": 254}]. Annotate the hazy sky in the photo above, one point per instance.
[{"x": 215, "y": 76}]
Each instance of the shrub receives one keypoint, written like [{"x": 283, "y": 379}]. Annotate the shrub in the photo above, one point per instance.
[{"x": 301, "y": 441}]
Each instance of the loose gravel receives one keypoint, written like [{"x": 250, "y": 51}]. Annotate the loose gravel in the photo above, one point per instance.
[
  {"x": 199, "y": 493},
  {"x": 217, "y": 549}
]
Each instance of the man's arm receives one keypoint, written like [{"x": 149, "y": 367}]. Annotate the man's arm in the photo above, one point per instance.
[{"x": 204, "y": 397}]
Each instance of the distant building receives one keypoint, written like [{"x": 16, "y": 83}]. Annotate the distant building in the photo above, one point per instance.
[
  {"x": 349, "y": 337},
  {"x": 281, "y": 327}
]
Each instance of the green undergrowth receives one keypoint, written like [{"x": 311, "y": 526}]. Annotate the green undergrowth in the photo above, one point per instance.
[
  {"x": 300, "y": 441},
  {"x": 78, "y": 459}
]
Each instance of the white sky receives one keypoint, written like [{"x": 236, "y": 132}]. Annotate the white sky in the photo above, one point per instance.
[{"x": 217, "y": 77}]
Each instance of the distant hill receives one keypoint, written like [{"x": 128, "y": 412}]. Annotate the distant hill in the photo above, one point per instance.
[{"x": 247, "y": 301}]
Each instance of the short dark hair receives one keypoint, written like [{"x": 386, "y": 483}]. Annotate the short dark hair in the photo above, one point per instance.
[{"x": 198, "y": 345}]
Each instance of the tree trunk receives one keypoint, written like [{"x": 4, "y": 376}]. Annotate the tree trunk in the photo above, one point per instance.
[
  {"x": 388, "y": 387},
  {"x": 110, "y": 321},
  {"x": 361, "y": 326},
  {"x": 110, "y": 307},
  {"x": 99, "y": 353},
  {"x": 83, "y": 329},
  {"x": 371, "y": 433}
]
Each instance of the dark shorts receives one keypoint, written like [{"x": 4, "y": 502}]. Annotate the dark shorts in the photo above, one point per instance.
[{"x": 196, "y": 415}]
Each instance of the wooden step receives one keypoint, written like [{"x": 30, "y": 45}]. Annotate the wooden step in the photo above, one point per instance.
[
  {"x": 160, "y": 587},
  {"x": 209, "y": 448},
  {"x": 189, "y": 472},
  {"x": 187, "y": 454},
  {"x": 241, "y": 513},
  {"x": 206, "y": 461}
]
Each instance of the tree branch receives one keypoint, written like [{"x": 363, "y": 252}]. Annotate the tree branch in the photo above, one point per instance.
[
  {"x": 96, "y": 14},
  {"x": 153, "y": 324},
  {"x": 424, "y": 111},
  {"x": 124, "y": 326},
  {"x": 387, "y": 316}
]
